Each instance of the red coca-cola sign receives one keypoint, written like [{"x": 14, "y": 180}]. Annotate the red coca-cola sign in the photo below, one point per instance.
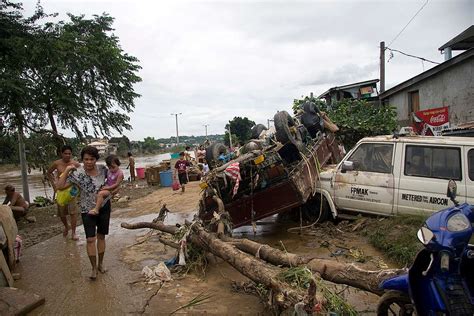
[{"x": 431, "y": 121}]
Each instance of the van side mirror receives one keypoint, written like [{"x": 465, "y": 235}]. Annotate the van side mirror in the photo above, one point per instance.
[
  {"x": 452, "y": 191},
  {"x": 347, "y": 166}
]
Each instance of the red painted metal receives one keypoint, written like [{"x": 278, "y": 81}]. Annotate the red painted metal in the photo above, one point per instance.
[{"x": 291, "y": 192}]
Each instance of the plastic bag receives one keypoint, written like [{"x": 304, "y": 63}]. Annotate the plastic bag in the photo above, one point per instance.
[
  {"x": 63, "y": 197},
  {"x": 176, "y": 186}
]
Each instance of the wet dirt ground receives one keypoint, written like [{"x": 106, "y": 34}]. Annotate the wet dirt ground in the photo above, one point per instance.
[{"x": 58, "y": 268}]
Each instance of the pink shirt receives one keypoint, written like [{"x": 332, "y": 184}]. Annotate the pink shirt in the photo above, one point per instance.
[{"x": 112, "y": 177}]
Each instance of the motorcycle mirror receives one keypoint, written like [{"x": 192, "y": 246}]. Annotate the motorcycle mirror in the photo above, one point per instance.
[
  {"x": 424, "y": 235},
  {"x": 452, "y": 190}
]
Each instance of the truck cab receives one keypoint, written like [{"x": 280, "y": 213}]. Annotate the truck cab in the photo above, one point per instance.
[{"x": 385, "y": 175}]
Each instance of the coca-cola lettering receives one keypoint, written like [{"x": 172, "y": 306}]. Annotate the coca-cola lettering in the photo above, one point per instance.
[{"x": 441, "y": 118}]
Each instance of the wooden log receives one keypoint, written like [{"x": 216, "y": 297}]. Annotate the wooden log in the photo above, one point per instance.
[
  {"x": 157, "y": 225},
  {"x": 337, "y": 272},
  {"x": 247, "y": 261}
]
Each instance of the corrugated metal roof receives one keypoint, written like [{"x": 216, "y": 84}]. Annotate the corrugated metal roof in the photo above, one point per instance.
[
  {"x": 348, "y": 86},
  {"x": 463, "y": 41}
]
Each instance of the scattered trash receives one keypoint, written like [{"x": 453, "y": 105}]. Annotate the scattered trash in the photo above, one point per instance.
[
  {"x": 358, "y": 255},
  {"x": 18, "y": 248},
  {"x": 123, "y": 199},
  {"x": 337, "y": 252},
  {"x": 156, "y": 274},
  {"x": 171, "y": 262}
]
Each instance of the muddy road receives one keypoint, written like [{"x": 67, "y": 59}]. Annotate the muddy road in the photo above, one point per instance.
[{"x": 58, "y": 268}]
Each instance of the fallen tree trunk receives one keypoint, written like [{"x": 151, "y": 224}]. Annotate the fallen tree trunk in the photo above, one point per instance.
[
  {"x": 245, "y": 255},
  {"x": 283, "y": 296},
  {"x": 337, "y": 272}
]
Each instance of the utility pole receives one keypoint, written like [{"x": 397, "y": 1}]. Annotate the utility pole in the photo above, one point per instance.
[
  {"x": 177, "y": 134},
  {"x": 24, "y": 172},
  {"x": 382, "y": 67},
  {"x": 206, "y": 125}
]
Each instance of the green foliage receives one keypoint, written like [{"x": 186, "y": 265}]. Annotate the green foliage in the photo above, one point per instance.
[
  {"x": 69, "y": 73},
  {"x": 357, "y": 119},
  {"x": 8, "y": 148},
  {"x": 235, "y": 140},
  {"x": 42, "y": 201},
  {"x": 40, "y": 149},
  {"x": 241, "y": 127},
  {"x": 396, "y": 237},
  {"x": 299, "y": 277},
  {"x": 150, "y": 144}
]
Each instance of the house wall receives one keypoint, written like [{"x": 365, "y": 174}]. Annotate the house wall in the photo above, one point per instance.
[{"x": 453, "y": 87}]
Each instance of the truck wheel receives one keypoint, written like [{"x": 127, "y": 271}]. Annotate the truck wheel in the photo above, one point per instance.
[
  {"x": 213, "y": 152},
  {"x": 395, "y": 302},
  {"x": 312, "y": 210},
  {"x": 257, "y": 130},
  {"x": 286, "y": 130}
]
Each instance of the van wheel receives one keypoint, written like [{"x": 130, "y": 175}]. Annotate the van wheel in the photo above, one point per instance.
[{"x": 314, "y": 211}]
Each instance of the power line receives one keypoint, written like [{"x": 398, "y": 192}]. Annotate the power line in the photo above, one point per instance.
[
  {"x": 409, "y": 55},
  {"x": 403, "y": 29}
]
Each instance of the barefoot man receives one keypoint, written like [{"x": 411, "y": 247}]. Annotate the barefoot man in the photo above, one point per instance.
[
  {"x": 16, "y": 201},
  {"x": 56, "y": 169}
]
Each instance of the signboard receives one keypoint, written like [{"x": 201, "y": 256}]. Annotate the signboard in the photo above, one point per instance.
[
  {"x": 431, "y": 122},
  {"x": 366, "y": 91}
]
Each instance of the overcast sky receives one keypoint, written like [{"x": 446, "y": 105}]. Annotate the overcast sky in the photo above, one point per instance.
[{"x": 213, "y": 60}]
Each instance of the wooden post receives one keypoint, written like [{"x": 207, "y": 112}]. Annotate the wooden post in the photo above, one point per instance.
[{"x": 382, "y": 67}]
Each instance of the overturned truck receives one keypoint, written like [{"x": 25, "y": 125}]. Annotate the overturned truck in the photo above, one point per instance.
[{"x": 272, "y": 174}]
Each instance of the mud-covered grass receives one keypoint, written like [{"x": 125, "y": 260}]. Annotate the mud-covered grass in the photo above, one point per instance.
[{"x": 396, "y": 237}]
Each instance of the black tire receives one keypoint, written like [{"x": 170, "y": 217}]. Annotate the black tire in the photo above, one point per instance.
[
  {"x": 286, "y": 131},
  {"x": 213, "y": 152},
  {"x": 257, "y": 130},
  {"x": 395, "y": 299},
  {"x": 312, "y": 209}
]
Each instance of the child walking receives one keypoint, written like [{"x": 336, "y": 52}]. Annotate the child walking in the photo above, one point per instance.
[
  {"x": 180, "y": 167},
  {"x": 112, "y": 185}
]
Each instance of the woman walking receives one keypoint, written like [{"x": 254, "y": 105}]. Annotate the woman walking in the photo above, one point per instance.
[{"x": 90, "y": 178}]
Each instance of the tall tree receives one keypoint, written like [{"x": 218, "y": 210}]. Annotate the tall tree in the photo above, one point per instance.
[
  {"x": 71, "y": 74},
  {"x": 241, "y": 127}
]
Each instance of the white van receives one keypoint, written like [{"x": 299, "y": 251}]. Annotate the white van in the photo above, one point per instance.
[{"x": 405, "y": 175}]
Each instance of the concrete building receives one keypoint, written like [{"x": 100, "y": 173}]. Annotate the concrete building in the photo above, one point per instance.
[
  {"x": 449, "y": 84},
  {"x": 101, "y": 147}
]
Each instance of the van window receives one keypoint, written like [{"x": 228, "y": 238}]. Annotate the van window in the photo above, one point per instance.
[
  {"x": 373, "y": 158},
  {"x": 470, "y": 163},
  {"x": 433, "y": 162}
]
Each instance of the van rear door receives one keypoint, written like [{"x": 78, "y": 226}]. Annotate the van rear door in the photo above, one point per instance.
[{"x": 426, "y": 169}]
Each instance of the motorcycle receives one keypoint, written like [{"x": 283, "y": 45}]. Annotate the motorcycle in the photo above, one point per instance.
[{"x": 441, "y": 279}]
